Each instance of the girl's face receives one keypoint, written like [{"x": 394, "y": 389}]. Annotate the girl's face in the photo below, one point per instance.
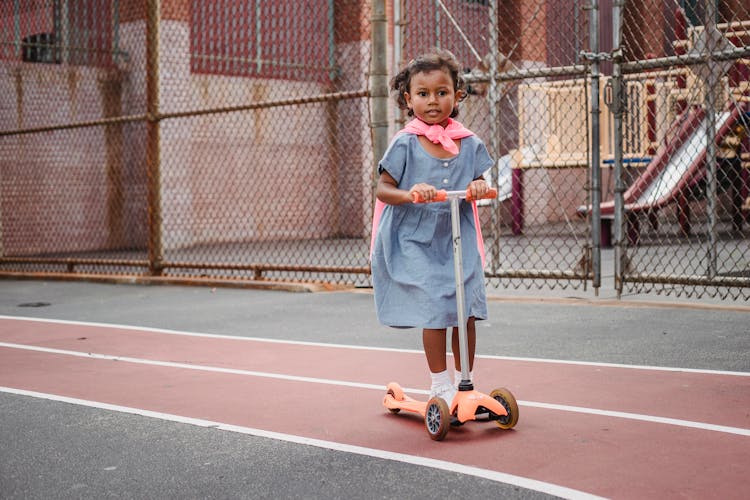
[{"x": 431, "y": 96}]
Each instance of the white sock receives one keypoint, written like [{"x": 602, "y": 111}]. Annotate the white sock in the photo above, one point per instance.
[{"x": 440, "y": 378}]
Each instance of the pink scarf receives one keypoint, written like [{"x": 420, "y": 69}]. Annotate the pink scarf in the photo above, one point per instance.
[{"x": 437, "y": 135}]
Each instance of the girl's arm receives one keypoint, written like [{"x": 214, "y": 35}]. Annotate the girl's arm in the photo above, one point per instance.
[{"x": 388, "y": 191}]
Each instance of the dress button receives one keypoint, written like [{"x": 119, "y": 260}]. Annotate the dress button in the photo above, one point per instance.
[
  {"x": 445, "y": 181},
  {"x": 445, "y": 164}
]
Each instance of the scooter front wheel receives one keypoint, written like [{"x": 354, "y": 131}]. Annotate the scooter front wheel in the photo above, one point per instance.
[
  {"x": 506, "y": 398},
  {"x": 437, "y": 418}
]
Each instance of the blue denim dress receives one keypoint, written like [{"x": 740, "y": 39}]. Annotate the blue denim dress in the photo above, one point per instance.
[{"x": 412, "y": 260}]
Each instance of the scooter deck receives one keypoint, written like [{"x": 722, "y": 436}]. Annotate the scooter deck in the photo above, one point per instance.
[
  {"x": 465, "y": 405},
  {"x": 407, "y": 404}
]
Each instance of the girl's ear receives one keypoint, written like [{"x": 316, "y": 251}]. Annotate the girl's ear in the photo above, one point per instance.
[
  {"x": 407, "y": 98},
  {"x": 460, "y": 94}
]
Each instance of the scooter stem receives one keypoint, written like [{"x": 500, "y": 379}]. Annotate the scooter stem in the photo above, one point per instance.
[{"x": 466, "y": 384}]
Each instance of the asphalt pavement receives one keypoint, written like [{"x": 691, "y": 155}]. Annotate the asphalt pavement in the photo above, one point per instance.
[{"x": 52, "y": 449}]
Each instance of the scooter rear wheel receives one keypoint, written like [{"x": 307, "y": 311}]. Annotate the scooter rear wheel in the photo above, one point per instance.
[
  {"x": 437, "y": 418},
  {"x": 506, "y": 398}
]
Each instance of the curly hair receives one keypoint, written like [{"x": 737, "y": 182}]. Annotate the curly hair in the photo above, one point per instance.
[{"x": 429, "y": 61}]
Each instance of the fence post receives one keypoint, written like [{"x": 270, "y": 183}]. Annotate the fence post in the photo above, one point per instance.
[
  {"x": 155, "y": 250},
  {"x": 596, "y": 174},
  {"x": 379, "y": 83},
  {"x": 617, "y": 108},
  {"x": 492, "y": 97},
  {"x": 711, "y": 82}
]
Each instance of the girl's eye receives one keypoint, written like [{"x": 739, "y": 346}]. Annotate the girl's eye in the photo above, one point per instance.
[
  {"x": 422, "y": 94},
  {"x": 443, "y": 93}
]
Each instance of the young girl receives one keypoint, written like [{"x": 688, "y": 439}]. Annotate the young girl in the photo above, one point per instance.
[{"x": 412, "y": 257}]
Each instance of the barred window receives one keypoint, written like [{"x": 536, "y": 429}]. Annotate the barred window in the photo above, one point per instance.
[
  {"x": 57, "y": 31},
  {"x": 285, "y": 39}
]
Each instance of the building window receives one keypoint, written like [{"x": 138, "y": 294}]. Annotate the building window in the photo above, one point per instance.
[{"x": 60, "y": 31}]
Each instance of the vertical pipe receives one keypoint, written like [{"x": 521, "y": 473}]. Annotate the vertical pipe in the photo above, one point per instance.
[
  {"x": 437, "y": 24},
  {"x": 332, "y": 40},
  {"x": 399, "y": 37},
  {"x": 17, "y": 27},
  {"x": 65, "y": 35},
  {"x": 493, "y": 102},
  {"x": 596, "y": 174},
  {"x": 155, "y": 250},
  {"x": 680, "y": 33},
  {"x": 398, "y": 27},
  {"x": 258, "y": 37},
  {"x": 712, "y": 87},
  {"x": 379, "y": 83},
  {"x": 618, "y": 103},
  {"x": 115, "y": 31}
]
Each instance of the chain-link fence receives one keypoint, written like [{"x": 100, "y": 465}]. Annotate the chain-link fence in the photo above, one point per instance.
[
  {"x": 236, "y": 139},
  {"x": 221, "y": 139}
]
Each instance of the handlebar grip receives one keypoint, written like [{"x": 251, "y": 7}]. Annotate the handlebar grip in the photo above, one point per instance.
[
  {"x": 489, "y": 195},
  {"x": 441, "y": 195}
]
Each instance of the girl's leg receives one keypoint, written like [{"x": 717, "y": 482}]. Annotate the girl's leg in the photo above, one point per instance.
[
  {"x": 471, "y": 335},
  {"x": 435, "y": 348}
]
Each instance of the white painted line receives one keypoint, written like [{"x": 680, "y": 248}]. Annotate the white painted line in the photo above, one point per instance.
[
  {"x": 189, "y": 366},
  {"x": 645, "y": 418},
  {"x": 522, "y": 482},
  {"x": 370, "y": 348},
  {"x": 343, "y": 383}
]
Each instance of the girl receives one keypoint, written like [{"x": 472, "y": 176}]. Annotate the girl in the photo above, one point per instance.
[{"x": 412, "y": 257}]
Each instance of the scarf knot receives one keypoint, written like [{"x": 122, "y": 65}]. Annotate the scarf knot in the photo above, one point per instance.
[{"x": 445, "y": 136}]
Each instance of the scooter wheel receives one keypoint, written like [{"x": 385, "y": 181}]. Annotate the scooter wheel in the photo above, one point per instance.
[
  {"x": 437, "y": 418},
  {"x": 506, "y": 398}
]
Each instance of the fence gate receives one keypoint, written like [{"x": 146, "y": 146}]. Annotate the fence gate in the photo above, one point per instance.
[
  {"x": 602, "y": 121},
  {"x": 681, "y": 94}
]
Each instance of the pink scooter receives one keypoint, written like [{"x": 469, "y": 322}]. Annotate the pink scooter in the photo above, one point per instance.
[{"x": 499, "y": 406}]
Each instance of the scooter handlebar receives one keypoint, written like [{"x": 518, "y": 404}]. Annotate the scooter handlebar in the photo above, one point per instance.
[{"x": 443, "y": 195}]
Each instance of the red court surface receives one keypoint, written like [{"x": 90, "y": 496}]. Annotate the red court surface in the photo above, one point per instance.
[{"x": 584, "y": 429}]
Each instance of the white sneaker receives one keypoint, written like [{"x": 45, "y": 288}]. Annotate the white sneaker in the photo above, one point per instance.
[{"x": 445, "y": 391}]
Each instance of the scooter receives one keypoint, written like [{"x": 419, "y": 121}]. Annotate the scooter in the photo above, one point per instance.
[{"x": 439, "y": 415}]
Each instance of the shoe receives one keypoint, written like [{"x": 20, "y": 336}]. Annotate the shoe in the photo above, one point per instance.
[{"x": 445, "y": 391}]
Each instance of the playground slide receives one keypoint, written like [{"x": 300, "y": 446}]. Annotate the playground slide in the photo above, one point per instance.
[{"x": 677, "y": 165}]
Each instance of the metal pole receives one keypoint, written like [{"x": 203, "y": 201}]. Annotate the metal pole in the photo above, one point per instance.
[
  {"x": 712, "y": 83},
  {"x": 617, "y": 108},
  {"x": 596, "y": 174},
  {"x": 399, "y": 36},
  {"x": 153, "y": 160},
  {"x": 379, "y": 83},
  {"x": 492, "y": 98}
]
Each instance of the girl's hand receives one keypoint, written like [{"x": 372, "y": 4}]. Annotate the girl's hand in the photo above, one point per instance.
[
  {"x": 425, "y": 191},
  {"x": 477, "y": 188}
]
